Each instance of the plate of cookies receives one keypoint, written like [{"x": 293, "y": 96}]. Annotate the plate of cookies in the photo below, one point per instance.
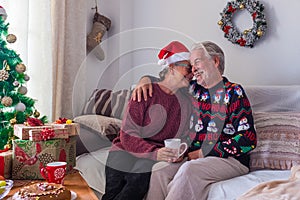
[{"x": 45, "y": 191}]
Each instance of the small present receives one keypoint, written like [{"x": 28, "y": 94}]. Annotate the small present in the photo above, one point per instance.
[
  {"x": 22, "y": 131},
  {"x": 73, "y": 128},
  {"x": 30, "y": 156},
  {"x": 48, "y": 133},
  {"x": 6, "y": 163}
]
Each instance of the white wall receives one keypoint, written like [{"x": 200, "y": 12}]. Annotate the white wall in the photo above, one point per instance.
[{"x": 141, "y": 27}]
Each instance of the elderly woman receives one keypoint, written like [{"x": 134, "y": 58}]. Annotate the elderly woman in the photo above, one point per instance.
[{"x": 146, "y": 125}]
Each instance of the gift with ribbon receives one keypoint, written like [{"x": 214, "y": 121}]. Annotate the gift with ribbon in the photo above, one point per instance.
[
  {"x": 48, "y": 133},
  {"x": 5, "y": 163}
]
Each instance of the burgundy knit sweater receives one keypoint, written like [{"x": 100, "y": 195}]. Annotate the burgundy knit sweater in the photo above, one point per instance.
[{"x": 147, "y": 124}]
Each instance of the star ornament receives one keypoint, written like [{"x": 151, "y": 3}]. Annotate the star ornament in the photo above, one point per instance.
[{"x": 98, "y": 37}]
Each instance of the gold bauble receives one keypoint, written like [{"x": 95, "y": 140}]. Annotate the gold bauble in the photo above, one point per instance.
[
  {"x": 36, "y": 114},
  {"x": 7, "y": 146},
  {"x": 7, "y": 67},
  {"x": 259, "y": 33},
  {"x": 246, "y": 31},
  {"x": 13, "y": 121},
  {"x": 11, "y": 38},
  {"x": 220, "y": 23},
  {"x": 242, "y": 6},
  {"x": 20, "y": 68}
]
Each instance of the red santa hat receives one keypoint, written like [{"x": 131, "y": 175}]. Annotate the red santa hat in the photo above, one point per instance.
[
  {"x": 173, "y": 52},
  {"x": 3, "y": 13}
]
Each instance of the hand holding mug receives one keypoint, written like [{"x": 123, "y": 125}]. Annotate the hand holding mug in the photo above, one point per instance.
[
  {"x": 54, "y": 172},
  {"x": 175, "y": 143}
]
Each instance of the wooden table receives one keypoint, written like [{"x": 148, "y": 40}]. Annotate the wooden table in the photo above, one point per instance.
[{"x": 73, "y": 182}]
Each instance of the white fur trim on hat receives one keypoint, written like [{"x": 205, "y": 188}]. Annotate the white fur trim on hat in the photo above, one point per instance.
[{"x": 177, "y": 57}]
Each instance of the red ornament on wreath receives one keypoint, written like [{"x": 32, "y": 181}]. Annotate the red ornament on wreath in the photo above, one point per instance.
[{"x": 248, "y": 37}]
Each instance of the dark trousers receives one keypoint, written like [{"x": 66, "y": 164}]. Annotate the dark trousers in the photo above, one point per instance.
[{"x": 127, "y": 177}]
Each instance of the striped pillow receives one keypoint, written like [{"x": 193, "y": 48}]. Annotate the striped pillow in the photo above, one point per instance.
[
  {"x": 278, "y": 135},
  {"x": 107, "y": 102}
]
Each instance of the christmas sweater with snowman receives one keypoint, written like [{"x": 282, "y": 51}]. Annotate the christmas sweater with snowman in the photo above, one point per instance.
[{"x": 222, "y": 121}]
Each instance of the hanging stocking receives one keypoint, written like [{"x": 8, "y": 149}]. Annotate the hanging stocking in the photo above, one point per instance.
[{"x": 101, "y": 24}]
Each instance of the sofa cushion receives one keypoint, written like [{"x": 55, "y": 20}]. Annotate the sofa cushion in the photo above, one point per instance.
[
  {"x": 105, "y": 126},
  {"x": 278, "y": 141},
  {"x": 107, "y": 102}
]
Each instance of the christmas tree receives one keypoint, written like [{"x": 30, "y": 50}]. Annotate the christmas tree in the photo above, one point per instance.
[{"x": 15, "y": 106}]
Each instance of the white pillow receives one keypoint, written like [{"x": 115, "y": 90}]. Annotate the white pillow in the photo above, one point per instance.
[
  {"x": 105, "y": 126},
  {"x": 92, "y": 168}
]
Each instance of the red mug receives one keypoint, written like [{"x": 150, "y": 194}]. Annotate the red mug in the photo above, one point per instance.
[{"x": 54, "y": 172}]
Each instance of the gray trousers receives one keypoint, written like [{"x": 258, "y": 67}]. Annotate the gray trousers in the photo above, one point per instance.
[{"x": 191, "y": 180}]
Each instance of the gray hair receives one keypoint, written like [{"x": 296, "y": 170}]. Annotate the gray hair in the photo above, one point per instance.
[
  {"x": 212, "y": 49},
  {"x": 162, "y": 73}
]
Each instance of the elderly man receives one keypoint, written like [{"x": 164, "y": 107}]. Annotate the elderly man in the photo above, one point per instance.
[{"x": 224, "y": 131}]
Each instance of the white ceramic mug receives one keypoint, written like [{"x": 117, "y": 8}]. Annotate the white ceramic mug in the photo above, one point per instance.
[{"x": 175, "y": 143}]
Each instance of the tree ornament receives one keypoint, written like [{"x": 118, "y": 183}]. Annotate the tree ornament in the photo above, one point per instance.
[
  {"x": 6, "y": 101},
  {"x": 16, "y": 83},
  {"x": 20, "y": 68},
  {"x": 11, "y": 38},
  {"x": 248, "y": 37},
  {"x": 22, "y": 90},
  {"x": 13, "y": 121},
  {"x": 26, "y": 77},
  {"x": 3, "y": 75},
  {"x": 259, "y": 33},
  {"x": 3, "y": 13},
  {"x": 7, "y": 68},
  {"x": 20, "y": 107},
  {"x": 36, "y": 114},
  {"x": 7, "y": 146}
]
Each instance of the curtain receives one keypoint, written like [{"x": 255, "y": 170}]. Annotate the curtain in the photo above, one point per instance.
[
  {"x": 51, "y": 41},
  {"x": 69, "y": 51}
]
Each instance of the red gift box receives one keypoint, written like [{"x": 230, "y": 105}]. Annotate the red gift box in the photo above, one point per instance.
[{"x": 6, "y": 163}]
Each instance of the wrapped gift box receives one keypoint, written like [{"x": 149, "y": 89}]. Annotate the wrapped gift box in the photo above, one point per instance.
[
  {"x": 73, "y": 128},
  {"x": 30, "y": 156},
  {"x": 22, "y": 131},
  {"x": 41, "y": 135},
  {"x": 5, "y": 163}
]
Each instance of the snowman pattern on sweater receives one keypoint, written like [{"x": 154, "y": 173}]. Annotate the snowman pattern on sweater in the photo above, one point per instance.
[{"x": 223, "y": 120}]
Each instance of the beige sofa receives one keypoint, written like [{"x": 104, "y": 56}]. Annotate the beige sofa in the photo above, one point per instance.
[{"x": 277, "y": 119}]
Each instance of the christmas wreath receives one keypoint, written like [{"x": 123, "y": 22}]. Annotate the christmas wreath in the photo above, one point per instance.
[{"x": 248, "y": 36}]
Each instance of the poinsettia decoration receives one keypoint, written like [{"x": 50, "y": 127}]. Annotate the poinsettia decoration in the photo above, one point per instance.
[
  {"x": 31, "y": 121},
  {"x": 248, "y": 37}
]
